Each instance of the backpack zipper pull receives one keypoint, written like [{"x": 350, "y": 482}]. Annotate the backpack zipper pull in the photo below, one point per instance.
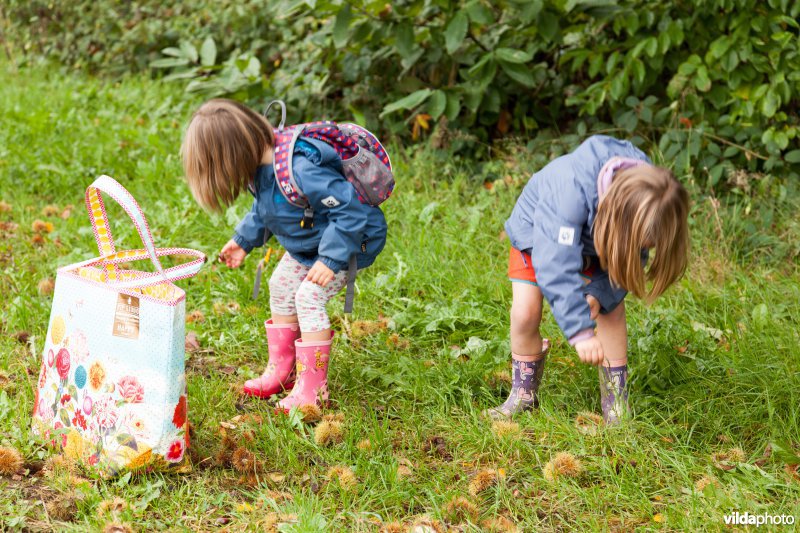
[{"x": 308, "y": 218}]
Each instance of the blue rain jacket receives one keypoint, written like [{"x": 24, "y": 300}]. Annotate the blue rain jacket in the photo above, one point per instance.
[
  {"x": 552, "y": 220},
  {"x": 342, "y": 224}
]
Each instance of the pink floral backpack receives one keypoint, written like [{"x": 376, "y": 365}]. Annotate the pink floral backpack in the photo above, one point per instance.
[{"x": 365, "y": 164}]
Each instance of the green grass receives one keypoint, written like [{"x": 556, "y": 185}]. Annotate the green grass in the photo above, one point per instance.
[{"x": 715, "y": 363}]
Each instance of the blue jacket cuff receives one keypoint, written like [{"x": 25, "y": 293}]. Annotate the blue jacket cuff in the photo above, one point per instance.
[
  {"x": 333, "y": 264},
  {"x": 246, "y": 246}
]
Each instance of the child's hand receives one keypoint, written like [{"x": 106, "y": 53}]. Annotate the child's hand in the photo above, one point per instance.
[
  {"x": 232, "y": 254},
  {"x": 320, "y": 274},
  {"x": 594, "y": 306},
  {"x": 590, "y": 351}
]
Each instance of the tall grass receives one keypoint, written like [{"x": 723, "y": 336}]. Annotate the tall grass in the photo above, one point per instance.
[{"x": 714, "y": 363}]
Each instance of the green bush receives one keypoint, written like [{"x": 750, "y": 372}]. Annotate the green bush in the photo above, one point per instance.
[{"x": 713, "y": 83}]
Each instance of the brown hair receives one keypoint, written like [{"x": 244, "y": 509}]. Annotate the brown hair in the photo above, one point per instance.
[
  {"x": 645, "y": 207},
  {"x": 222, "y": 148}
]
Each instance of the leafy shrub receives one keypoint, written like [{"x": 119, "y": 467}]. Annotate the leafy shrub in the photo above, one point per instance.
[{"x": 712, "y": 83}]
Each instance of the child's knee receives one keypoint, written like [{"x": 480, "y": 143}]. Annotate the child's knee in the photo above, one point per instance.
[
  {"x": 525, "y": 316},
  {"x": 276, "y": 286},
  {"x": 307, "y": 297},
  {"x": 281, "y": 300},
  {"x": 310, "y": 302}
]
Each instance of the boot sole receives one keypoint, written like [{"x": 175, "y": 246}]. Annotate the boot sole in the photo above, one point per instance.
[
  {"x": 263, "y": 394},
  {"x": 283, "y": 411}
]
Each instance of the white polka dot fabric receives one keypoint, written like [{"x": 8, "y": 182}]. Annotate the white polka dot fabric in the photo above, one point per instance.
[{"x": 111, "y": 392}]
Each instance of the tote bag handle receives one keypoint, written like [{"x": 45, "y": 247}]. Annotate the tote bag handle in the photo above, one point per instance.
[{"x": 102, "y": 230}]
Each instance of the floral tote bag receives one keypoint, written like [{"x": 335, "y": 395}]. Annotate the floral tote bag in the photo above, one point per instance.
[{"x": 112, "y": 390}]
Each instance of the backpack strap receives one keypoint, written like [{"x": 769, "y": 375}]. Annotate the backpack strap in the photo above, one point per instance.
[
  {"x": 285, "y": 141},
  {"x": 350, "y": 294}
]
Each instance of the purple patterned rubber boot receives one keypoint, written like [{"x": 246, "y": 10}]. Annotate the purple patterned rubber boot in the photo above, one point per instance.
[
  {"x": 614, "y": 394},
  {"x": 526, "y": 375}
]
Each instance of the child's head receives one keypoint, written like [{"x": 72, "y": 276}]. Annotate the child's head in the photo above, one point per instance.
[
  {"x": 223, "y": 146},
  {"x": 645, "y": 207}
]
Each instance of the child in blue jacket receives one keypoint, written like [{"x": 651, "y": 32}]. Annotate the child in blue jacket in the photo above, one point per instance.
[
  {"x": 580, "y": 234},
  {"x": 229, "y": 149}
]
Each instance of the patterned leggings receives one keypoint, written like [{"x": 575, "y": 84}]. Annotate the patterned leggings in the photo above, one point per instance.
[{"x": 290, "y": 294}]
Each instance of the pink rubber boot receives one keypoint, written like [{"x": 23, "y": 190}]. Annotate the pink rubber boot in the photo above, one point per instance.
[
  {"x": 279, "y": 375},
  {"x": 311, "y": 387}
]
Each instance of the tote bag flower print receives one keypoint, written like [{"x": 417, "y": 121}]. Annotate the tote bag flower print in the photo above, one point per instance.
[{"x": 112, "y": 390}]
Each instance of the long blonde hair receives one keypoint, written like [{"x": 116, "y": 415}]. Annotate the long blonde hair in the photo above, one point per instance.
[
  {"x": 645, "y": 207},
  {"x": 222, "y": 148}
]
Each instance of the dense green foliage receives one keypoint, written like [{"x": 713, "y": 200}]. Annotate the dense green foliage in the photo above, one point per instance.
[
  {"x": 714, "y": 84},
  {"x": 714, "y": 363}
]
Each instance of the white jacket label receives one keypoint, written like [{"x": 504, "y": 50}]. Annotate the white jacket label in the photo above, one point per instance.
[{"x": 566, "y": 235}]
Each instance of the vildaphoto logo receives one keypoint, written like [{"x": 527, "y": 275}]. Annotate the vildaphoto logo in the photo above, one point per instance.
[{"x": 746, "y": 519}]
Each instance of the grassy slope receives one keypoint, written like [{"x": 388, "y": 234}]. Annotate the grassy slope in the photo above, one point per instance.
[{"x": 709, "y": 372}]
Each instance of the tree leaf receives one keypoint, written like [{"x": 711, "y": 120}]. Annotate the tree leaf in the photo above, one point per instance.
[
  {"x": 189, "y": 51},
  {"x": 519, "y": 73},
  {"x": 719, "y": 47},
  {"x": 453, "y": 106},
  {"x": 618, "y": 87},
  {"x": 474, "y": 69},
  {"x": 781, "y": 139},
  {"x": 341, "y": 26},
  {"x": 172, "y": 51},
  {"x": 715, "y": 174},
  {"x": 437, "y": 104},
  {"x": 530, "y": 10},
  {"x": 184, "y": 74},
  {"x": 651, "y": 46},
  {"x": 548, "y": 25},
  {"x": 770, "y": 103},
  {"x": 208, "y": 52},
  {"x": 487, "y": 74},
  {"x": 509, "y": 55},
  {"x": 456, "y": 32},
  {"x": 479, "y": 13},
  {"x": 595, "y": 64},
  {"x": 638, "y": 68},
  {"x": 404, "y": 39},
  {"x": 792, "y": 157},
  {"x": 409, "y": 102},
  {"x": 701, "y": 80},
  {"x": 169, "y": 62}
]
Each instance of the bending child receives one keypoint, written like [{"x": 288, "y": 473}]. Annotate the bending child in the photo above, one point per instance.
[
  {"x": 581, "y": 233},
  {"x": 229, "y": 149}
]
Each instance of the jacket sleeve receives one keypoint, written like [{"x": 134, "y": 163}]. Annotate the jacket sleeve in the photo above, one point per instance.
[
  {"x": 605, "y": 292},
  {"x": 558, "y": 259},
  {"x": 327, "y": 190},
  {"x": 250, "y": 231},
  {"x": 609, "y": 295}
]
